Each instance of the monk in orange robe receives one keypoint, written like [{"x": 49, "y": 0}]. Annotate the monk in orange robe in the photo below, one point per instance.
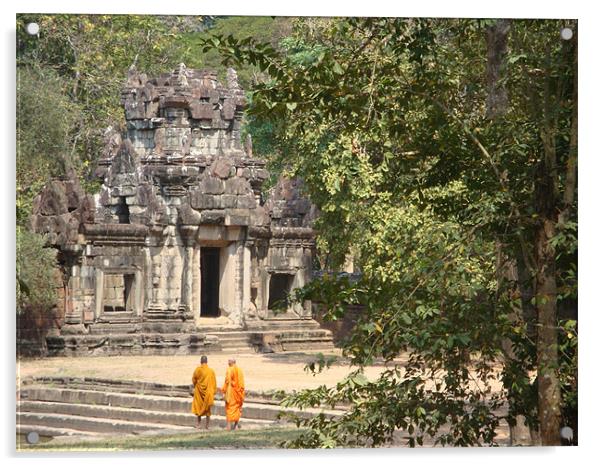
[
  {"x": 234, "y": 394},
  {"x": 205, "y": 387}
]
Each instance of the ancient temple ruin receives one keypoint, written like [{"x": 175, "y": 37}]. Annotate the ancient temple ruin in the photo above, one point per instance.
[{"x": 178, "y": 253}]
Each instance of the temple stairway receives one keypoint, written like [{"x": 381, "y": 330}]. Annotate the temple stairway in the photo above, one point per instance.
[
  {"x": 90, "y": 408},
  {"x": 124, "y": 335},
  {"x": 273, "y": 335},
  {"x": 71, "y": 409}
]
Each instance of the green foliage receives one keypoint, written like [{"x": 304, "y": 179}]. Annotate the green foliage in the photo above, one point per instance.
[
  {"x": 85, "y": 60},
  {"x": 386, "y": 121},
  {"x": 35, "y": 272},
  {"x": 92, "y": 54},
  {"x": 46, "y": 119},
  {"x": 261, "y": 28},
  {"x": 393, "y": 401}
]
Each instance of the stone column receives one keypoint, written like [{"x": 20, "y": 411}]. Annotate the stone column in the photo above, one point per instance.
[
  {"x": 147, "y": 281},
  {"x": 240, "y": 310},
  {"x": 73, "y": 313},
  {"x": 155, "y": 279},
  {"x": 246, "y": 277},
  {"x": 138, "y": 293},
  {"x": 196, "y": 282},
  {"x": 98, "y": 295},
  {"x": 188, "y": 234},
  {"x": 186, "y": 290},
  {"x": 230, "y": 290}
]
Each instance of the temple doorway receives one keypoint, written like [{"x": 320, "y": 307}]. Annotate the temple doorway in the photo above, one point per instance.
[{"x": 210, "y": 282}]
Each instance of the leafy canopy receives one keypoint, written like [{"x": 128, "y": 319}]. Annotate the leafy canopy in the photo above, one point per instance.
[{"x": 386, "y": 121}]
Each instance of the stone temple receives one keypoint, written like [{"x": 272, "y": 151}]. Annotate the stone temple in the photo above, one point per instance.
[{"x": 179, "y": 253}]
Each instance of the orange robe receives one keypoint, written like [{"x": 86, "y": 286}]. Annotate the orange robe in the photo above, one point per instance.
[
  {"x": 234, "y": 393},
  {"x": 205, "y": 386}
]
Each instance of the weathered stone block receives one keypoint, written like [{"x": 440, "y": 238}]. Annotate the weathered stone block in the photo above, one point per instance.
[
  {"x": 221, "y": 167},
  {"x": 122, "y": 190},
  {"x": 213, "y": 96},
  {"x": 237, "y": 185},
  {"x": 201, "y": 110},
  {"x": 52, "y": 201},
  {"x": 143, "y": 194},
  {"x": 276, "y": 213},
  {"x": 245, "y": 202},
  {"x": 200, "y": 201},
  {"x": 229, "y": 109},
  {"x": 188, "y": 216},
  {"x": 211, "y": 185},
  {"x": 237, "y": 217},
  {"x": 228, "y": 201},
  {"x": 213, "y": 217}
]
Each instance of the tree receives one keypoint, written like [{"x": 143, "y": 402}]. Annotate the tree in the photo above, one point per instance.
[
  {"x": 261, "y": 28},
  {"x": 35, "y": 268},
  {"x": 442, "y": 153},
  {"x": 91, "y": 54},
  {"x": 46, "y": 120}
]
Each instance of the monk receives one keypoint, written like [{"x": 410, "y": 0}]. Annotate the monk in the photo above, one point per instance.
[
  {"x": 234, "y": 394},
  {"x": 205, "y": 385}
]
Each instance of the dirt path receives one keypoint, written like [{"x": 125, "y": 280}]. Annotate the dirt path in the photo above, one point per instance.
[{"x": 263, "y": 372}]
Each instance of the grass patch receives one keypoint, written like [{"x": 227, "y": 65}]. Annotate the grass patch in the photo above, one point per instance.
[{"x": 217, "y": 439}]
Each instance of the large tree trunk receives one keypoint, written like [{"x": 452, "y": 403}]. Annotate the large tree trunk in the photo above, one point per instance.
[
  {"x": 547, "y": 338},
  {"x": 546, "y": 202}
]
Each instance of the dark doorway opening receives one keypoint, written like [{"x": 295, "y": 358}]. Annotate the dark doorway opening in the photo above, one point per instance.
[
  {"x": 123, "y": 211},
  {"x": 280, "y": 287},
  {"x": 210, "y": 282}
]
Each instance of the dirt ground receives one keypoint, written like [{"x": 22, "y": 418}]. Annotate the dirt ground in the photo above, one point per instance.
[{"x": 263, "y": 372}]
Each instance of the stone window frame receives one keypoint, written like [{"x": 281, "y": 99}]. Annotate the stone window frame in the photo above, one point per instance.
[
  {"x": 137, "y": 291},
  {"x": 271, "y": 272}
]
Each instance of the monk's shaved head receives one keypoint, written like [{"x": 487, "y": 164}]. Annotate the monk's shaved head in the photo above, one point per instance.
[
  {"x": 203, "y": 359},
  {"x": 231, "y": 361}
]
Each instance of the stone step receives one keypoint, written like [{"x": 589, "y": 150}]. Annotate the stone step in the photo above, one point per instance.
[
  {"x": 131, "y": 343},
  {"x": 284, "y": 339},
  {"x": 142, "y": 327},
  {"x": 232, "y": 337},
  {"x": 82, "y": 423},
  {"x": 125, "y": 387},
  {"x": 252, "y": 410},
  {"x": 237, "y": 350},
  {"x": 276, "y": 324},
  {"x": 144, "y": 416},
  {"x": 45, "y": 431}
]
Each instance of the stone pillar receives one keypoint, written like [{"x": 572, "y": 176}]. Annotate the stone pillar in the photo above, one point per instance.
[
  {"x": 74, "y": 316},
  {"x": 230, "y": 290},
  {"x": 186, "y": 290},
  {"x": 138, "y": 293},
  {"x": 196, "y": 282},
  {"x": 73, "y": 313},
  {"x": 246, "y": 271},
  {"x": 307, "y": 276},
  {"x": 155, "y": 279},
  {"x": 188, "y": 235},
  {"x": 147, "y": 281},
  {"x": 98, "y": 295}
]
